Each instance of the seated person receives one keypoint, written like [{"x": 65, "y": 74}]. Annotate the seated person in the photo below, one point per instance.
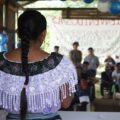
[
  {"x": 110, "y": 61},
  {"x": 116, "y": 77},
  {"x": 91, "y": 79},
  {"x": 84, "y": 67},
  {"x": 83, "y": 91},
  {"x": 91, "y": 84},
  {"x": 106, "y": 80}
]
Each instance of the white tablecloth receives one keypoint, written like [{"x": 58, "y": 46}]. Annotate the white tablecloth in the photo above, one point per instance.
[
  {"x": 81, "y": 115},
  {"x": 90, "y": 115}
]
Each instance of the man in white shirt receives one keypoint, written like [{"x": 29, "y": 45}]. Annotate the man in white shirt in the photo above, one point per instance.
[{"x": 92, "y": 60}]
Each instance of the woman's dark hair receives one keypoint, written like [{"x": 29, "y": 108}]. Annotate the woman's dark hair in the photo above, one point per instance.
[
  {"x": 30, "y": 25},
  {"x": 76, "y": 43},
  {"x": 90, "y": 48},
  {"x": 56, "y": 47}
]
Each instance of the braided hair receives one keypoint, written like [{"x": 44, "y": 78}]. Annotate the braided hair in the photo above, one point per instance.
[{"x": 30, "y": 25}]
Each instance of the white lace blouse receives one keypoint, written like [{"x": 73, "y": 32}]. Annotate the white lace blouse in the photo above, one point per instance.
[{"x": 47, "y": 78}]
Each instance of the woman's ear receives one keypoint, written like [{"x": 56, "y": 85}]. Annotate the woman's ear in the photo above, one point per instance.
[
  {"x": 41, "y": 37},
  {"x": 43, "y": 34}
]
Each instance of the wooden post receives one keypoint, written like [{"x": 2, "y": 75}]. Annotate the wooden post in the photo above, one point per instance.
[
  {"x": 10, "y": 24},
  {"x": 1, "y": 15}
]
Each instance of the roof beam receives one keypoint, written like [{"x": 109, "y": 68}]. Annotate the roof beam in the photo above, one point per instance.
[
  {"x": 28, "y": 2},
  {"x": 14, "y": 2},
  {"x": 60, "y": 8}
]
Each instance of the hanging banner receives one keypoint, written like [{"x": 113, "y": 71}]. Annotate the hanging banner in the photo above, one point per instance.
[{"x": 102, "y": 35}]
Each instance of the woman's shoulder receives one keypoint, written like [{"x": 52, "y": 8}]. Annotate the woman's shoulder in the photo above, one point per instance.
[
  {"x": 62, "y": 61},
  {"x": 54, "y": 73},
  {"x": 53, "y": 62},
  {"x": 56, "y": 56},
  {"x": 35, "y": 68}
]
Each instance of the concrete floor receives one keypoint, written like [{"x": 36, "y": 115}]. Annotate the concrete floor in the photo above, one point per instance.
[{"x": 107, "y": 105}]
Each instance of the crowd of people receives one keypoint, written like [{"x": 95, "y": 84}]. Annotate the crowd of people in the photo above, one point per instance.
[
  {"x": 110, "y": 78},
  {"x": 87, "y": 69}
]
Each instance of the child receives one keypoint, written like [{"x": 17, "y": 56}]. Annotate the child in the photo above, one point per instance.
[
  {"x": 84, "y": 92},
  {"x": 84, "y": 86}
]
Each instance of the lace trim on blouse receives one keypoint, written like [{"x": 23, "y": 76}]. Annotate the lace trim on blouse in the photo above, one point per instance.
[
  {"x": 35, "y": 68},
  {"x": 43, "y": 90}
]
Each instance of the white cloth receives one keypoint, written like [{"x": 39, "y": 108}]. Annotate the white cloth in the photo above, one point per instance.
[
  {"x": 84, "y": 99},
  {"x": 43, "y": 90}
]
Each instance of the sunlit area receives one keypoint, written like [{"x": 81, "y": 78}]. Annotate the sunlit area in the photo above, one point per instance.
[
  {"x": 62, "y": 4},
  {"x": 59, "y": 59}
]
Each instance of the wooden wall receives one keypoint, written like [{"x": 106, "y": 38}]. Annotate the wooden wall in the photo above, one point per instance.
[
  {"x": 1, "y": 15},
  {"x": 89, "y": 13},
  {"x": 10, "y": 24},
  {"x": 10, "y": 17}
]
